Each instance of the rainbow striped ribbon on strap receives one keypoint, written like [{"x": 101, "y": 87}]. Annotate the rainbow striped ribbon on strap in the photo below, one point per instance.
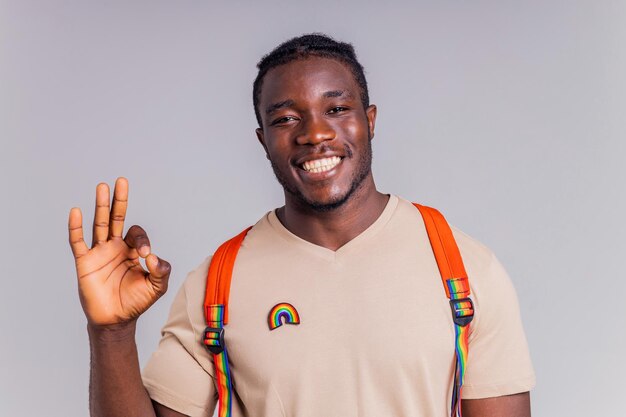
[
  {"x": 214, "y": 341},
  {"x": 462, "y": 314}
]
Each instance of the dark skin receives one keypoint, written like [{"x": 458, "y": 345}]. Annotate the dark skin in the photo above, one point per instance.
[
  {"x": 114, "y": 291},
  {"x": 321, "y": 115},
  {"x": 310, "y": 109}
]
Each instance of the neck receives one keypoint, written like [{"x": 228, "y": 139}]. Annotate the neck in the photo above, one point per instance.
[{"x": 335, "y": 228}]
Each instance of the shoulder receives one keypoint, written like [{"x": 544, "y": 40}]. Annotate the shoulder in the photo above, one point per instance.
[
  {"x": 475, "y": 254},
  {"x": 194, "y": 285},
  {"x": 487, "y": 276},
  {"x": 196, "y": 279},
  {"x": 195, "y": 282}
]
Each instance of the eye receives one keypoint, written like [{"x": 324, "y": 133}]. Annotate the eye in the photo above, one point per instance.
[
  {"x": 337, "y": 109},
  {"x": 283, "y": 120}
]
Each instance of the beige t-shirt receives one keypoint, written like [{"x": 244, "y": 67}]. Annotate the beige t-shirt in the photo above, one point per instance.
[{"x": 375, "y": 337}]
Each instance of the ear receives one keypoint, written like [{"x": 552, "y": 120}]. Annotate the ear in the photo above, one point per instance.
[
  {"x": 370, "y": 112},
  {"x": 260, "y": 136}
]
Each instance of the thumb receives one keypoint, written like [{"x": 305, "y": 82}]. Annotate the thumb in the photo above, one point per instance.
[{"x": 159, "y": 273}]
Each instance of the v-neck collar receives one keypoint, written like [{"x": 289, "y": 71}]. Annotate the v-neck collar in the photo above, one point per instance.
[{"x": 330, "y": 254}]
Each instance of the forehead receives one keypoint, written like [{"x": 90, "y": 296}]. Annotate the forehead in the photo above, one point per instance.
[{"x": 307, "y": 78}]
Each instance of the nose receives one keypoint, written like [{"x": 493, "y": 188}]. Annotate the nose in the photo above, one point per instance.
[{"x": 315, "y": 130}]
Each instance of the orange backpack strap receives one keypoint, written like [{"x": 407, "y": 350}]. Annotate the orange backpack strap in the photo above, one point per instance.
[
  {"x": 446, "y": 253},
  {"x": 216, "y": 314},
  {"x": 221, "y": 273},
  {"x": 456, "y": 285}
]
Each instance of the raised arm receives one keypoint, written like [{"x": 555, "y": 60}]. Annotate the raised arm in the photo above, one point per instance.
[{"x": 114, "y": 291}]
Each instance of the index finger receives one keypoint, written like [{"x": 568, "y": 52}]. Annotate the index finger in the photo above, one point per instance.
[{"x": 118, "y": 212}]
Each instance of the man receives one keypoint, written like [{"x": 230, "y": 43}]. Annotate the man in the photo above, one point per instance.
[{"x": 375, "y": 335}]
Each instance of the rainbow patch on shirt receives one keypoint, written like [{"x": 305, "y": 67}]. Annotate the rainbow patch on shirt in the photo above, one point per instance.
[{"x": 283, "y": 312}]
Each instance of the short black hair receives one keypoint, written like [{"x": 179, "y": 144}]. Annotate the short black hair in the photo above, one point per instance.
[{"x": 305, "y": 46}]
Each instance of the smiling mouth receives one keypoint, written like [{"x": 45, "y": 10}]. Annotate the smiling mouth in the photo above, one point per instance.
[{"x": 321, "y": 165}]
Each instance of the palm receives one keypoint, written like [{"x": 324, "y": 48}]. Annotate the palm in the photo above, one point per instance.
[
  {"x": 113, "y": 286},
  {"x": 112, "y": 283}
]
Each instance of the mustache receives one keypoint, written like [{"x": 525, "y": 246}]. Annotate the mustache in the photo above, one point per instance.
[{"x": 324, "y": 148}]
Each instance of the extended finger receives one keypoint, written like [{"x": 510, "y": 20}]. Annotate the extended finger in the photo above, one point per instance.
[
  {"x": 101, "y": 217},
  {"x": 75, "y": 226},
  {"x": 118, "y": 210},
  {"x": 159, "y": 273},
  {"x": 137, "y": 238}
]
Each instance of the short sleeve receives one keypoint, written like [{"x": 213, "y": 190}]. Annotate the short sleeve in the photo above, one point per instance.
[
  {"x": 498, "y": 361},
  {"x": 179, "y": 373}
]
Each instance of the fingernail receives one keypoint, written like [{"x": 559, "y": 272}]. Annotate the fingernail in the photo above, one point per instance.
[{"x": 144, "y": 251}]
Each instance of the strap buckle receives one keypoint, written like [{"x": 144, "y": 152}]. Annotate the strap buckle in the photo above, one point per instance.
[
  {"x": 462, "y": 311},
  {"x": 214, "y": 339}
]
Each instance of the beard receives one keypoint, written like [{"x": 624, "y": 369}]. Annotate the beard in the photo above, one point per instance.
[{"x": 363, "y": 169}]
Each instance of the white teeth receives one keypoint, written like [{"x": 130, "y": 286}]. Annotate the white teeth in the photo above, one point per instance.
[{"x": 321, "y": 165}]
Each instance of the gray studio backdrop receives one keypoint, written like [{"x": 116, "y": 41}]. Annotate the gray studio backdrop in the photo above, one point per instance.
[{"x": 508, "y": 116}]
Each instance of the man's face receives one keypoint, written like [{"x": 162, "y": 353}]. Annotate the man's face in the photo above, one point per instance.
[{"x": 315, "y": 131}]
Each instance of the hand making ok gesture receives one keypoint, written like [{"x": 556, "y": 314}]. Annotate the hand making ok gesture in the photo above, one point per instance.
[{"x": 113, "y": 286}]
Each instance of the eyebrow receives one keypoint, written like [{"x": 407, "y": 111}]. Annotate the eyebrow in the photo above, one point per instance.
[
  {"x": 275, "y": 106},
  {"x": 288, "y": 103},
  {"x": 337, "y": 93}
]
